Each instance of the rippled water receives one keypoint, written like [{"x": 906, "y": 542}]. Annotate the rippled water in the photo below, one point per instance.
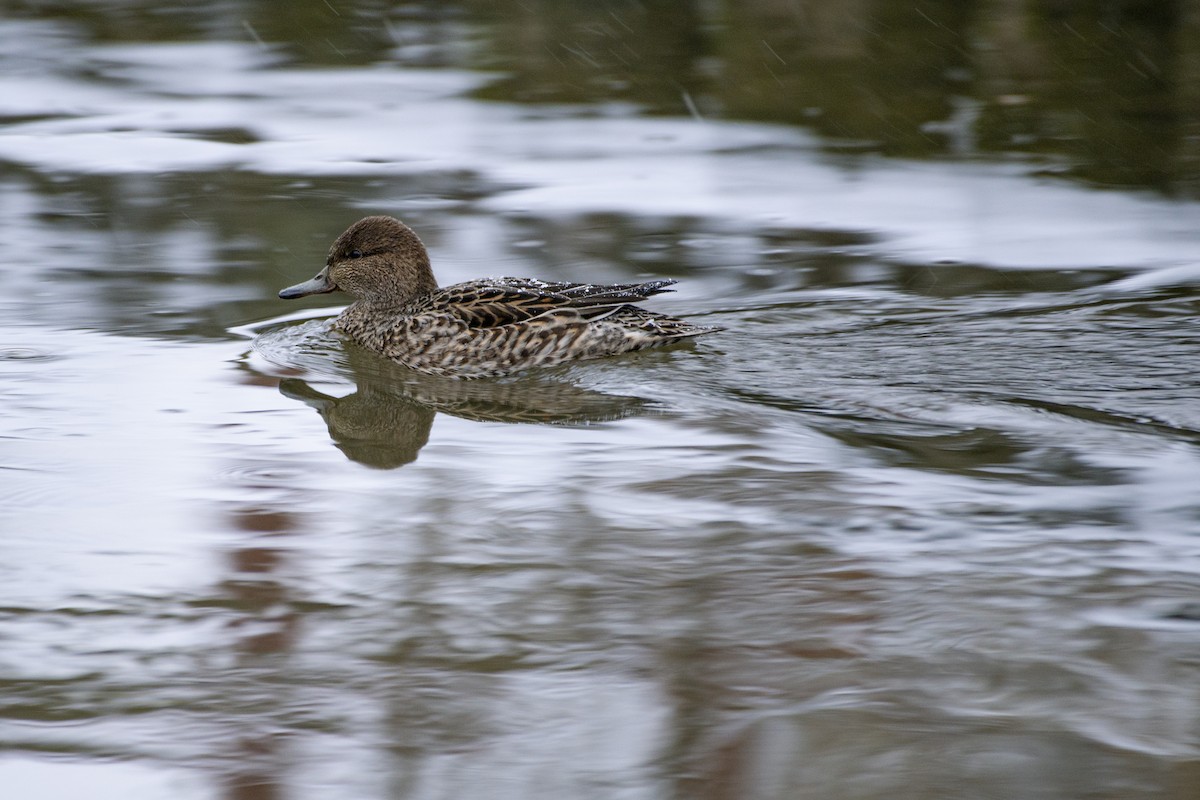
[{"x": 922, "y": 522}]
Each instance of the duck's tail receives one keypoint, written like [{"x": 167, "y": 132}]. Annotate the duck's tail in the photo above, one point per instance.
[{"x": 651, "y": 328}]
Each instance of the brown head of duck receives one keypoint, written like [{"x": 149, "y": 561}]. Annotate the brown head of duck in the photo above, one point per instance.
[{"x": 378, "y": 261}]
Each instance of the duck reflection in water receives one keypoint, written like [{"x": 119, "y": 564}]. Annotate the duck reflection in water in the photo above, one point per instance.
[{"x": 386, "y": 421}]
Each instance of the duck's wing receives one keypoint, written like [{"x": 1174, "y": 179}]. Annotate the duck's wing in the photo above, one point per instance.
[{"x": 502, "y": 301}]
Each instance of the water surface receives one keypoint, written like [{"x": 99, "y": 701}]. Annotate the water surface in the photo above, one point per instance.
[{"x": 922, "y": 522}]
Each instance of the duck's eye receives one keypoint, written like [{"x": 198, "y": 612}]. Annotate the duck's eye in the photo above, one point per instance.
[{"x": 356, "y": 253}]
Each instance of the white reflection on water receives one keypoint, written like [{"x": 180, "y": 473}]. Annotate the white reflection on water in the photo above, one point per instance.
[
  {"x": 58, "y": 779},
  {"x": 381, "y": 121}
]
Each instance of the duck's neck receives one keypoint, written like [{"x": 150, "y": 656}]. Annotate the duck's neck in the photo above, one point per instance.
[
  {"x": 363, "y": 313},
  {"x": 400, "y": 286},
  {"x": 391, "y": 302},
  {"x": 382, "y": 306},
  {"x": 367, "y": 317}
]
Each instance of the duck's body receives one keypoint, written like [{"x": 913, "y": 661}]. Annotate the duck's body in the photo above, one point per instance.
[
  {"x": 501, "y": 325},
  {"x": 481, "y": 328}
]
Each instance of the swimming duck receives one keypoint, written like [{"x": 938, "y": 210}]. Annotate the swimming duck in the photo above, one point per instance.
[{"x": 481, "y": 328}]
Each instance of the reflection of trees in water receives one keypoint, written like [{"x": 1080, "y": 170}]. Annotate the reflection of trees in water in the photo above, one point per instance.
[
  {"x": 649, "y": 52},
  {"x": 253, "y": 764},
  {"x": 1113, "y": 84}
]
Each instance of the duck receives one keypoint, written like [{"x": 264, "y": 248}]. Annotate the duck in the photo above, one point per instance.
[{"x": 482, "y": 328}]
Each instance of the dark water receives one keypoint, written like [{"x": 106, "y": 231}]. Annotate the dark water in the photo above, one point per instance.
[{"x": 922, "y": 523}]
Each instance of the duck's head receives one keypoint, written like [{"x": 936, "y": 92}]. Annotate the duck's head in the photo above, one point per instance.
[{"x": 378, "y": 260}]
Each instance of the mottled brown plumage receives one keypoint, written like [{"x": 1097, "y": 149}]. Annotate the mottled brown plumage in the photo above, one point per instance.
[{"x": 486, "y": 327}]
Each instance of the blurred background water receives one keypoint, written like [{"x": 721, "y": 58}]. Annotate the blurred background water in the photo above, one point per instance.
[{"x": 922, "y": 523}]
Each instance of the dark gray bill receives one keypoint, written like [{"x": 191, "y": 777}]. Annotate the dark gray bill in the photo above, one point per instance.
[{"x": 318, "y": 285}]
